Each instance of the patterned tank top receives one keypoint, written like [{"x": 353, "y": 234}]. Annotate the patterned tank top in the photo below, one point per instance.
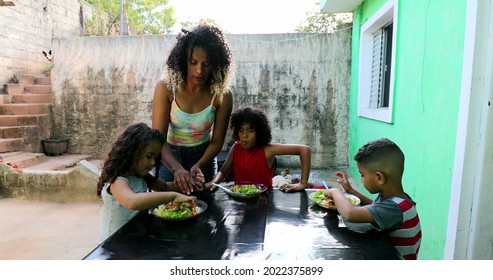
[{"x": 190, "y": 130}]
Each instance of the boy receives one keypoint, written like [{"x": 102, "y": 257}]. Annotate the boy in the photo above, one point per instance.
[{"x": 381, "y": 165}]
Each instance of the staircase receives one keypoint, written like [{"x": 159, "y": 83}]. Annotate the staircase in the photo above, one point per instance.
[{"x": 25, "y": 119}]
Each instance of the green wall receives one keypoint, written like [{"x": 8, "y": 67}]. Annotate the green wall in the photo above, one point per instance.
[{"x": 428, "y": 71}]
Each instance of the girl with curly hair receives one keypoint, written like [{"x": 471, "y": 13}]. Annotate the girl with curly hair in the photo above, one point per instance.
[
  {"x": 192, "y": 107},
  {"x": 252, "y": 156},
  {"x": 125, "y": 181}
]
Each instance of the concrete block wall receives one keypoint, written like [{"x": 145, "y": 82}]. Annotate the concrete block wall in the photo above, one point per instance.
[
  {"x": 103, "y": 84},
  {"x": 28, "y": 28}
]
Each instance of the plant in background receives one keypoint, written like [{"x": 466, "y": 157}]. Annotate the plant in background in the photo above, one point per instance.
[
  {"x": 318, "y": 22},
  {"x": 143, "y": 16},
  {"x": 47, "y": 69}
]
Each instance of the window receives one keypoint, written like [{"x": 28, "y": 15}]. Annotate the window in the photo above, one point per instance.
[{"x": 376, "y": 72}]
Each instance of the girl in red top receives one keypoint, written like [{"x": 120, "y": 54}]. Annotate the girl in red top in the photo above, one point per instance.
[{"x": 252, "y": 155}]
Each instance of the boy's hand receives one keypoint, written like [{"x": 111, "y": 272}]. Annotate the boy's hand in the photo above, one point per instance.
[
  {"x": 343, "y": 181},
  {"x": 328, "y": 193}
]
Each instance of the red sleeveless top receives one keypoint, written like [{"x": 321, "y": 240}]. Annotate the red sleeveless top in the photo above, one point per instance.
[{"x": 250, "y": 166}]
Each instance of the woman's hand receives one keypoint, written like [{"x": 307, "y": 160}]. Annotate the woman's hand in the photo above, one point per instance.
[{"x": 183, "y": 180}]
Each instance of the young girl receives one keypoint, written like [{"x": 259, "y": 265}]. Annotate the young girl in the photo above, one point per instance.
[
  {"x": 125, "y": 179},
  {"x": 252, "y": 155}
]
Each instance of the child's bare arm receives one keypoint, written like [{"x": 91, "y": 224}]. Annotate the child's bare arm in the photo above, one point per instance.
[
  {"x": 349, "y": 212},
  {"x": 223, "y": 173},
  {"x": 305, "y": 161},
  {"x": 124, "y": 194}
]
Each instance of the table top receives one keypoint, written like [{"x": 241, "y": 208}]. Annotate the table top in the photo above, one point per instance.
[{"x": 272, "y": 226}]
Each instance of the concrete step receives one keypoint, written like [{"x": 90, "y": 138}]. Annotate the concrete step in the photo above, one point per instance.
[
  {"x": 41, "y": 162},
  {"x": 5, "y": 99},
  {"x": 27, "y": 79},
  {"x": 11, "y": 89},
  {"x": 11, "y": 144},
  {"x": 37, "y": 89},
  {"x": 65, "y": 162},
  {"x": 14, "y": 120},
  {"x": 42, "y": 80},
  {"x": 18, "y": 131},
  {"x": 31, "y": 98},
  {"x": 25, "y": 109},
  {"x": 98, "y": 163},
  {"x": 23, "y": 159}
]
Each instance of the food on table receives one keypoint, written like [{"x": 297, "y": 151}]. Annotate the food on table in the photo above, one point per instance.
[
  {"x": 245, "y": 189},
  {"x": 174, "y": 210},
  {"x": 319, "y": 197}
]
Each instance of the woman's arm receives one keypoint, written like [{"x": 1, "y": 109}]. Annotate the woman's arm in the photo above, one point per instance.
[
  {"x": 223, "y": 173},
  {"x": 161, "y": 108},
  {"x": 223, "y": 112}
]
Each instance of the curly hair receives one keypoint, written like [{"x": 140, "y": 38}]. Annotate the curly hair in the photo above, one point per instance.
[
  {"x": 257, "y": 119},
  {"x": 212, "y": 40},
  {"x": 126, "y": 150}
]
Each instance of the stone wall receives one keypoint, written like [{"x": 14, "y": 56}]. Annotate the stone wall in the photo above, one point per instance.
[
  {"x": 27, "y": 29},
  {"x": 103, "y": 84}
]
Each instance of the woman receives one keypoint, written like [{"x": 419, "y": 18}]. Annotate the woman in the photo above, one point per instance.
[{"x": 192, "y": 107}]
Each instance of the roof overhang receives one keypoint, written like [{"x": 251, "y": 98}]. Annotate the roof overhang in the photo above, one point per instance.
[{"x": 339, "y": 6}]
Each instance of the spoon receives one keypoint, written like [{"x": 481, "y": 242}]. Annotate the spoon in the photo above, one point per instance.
[
  {"x": 222, "y": 187},
  {"x": 325, "y": 185}
]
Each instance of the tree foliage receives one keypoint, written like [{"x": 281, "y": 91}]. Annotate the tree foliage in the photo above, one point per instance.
[
  {"x": 143, "y": 16},
  {"x": 318, "y": 22}
]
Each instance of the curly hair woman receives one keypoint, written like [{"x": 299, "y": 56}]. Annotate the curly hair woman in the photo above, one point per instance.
[
  {"x": 192, "y": 106},
  {"x": 252, "y": 156},
  {"x": 125, "y": 179}
]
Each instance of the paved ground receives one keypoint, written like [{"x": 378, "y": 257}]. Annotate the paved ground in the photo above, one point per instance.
[{"x": 33, "y": 230}]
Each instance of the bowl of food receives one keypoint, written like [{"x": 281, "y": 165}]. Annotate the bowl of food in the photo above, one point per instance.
[
  {"x": 243, "y": 189},
  {"x": 319, "y": 198},
  {"x": 179, "y": 211}
]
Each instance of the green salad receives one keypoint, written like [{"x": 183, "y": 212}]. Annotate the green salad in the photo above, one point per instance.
[
  {"x": 318, "y": 196},
  {"x": 245, "y": 189},
  {"x": 174, "y": 212}
]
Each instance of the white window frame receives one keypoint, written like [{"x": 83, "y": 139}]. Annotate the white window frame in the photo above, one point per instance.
[{"x": 383, "y": 17}]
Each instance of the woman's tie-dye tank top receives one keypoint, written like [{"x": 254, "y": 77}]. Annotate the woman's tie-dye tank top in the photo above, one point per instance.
[{"x": 190, "y": 130}]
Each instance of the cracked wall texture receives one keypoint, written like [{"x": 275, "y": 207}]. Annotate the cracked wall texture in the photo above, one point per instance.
[{"x": 103, "y": 84}]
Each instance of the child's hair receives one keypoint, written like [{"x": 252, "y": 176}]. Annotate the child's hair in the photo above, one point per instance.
[
  {"x": 212, "y": 40},
  {"x": 257, "y": 119},
  {"x": 127, "y": 149},
  {"x": 381, "y": 154}
]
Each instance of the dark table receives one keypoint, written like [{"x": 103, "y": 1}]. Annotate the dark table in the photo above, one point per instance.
[{"x": 272, "y": 226}]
